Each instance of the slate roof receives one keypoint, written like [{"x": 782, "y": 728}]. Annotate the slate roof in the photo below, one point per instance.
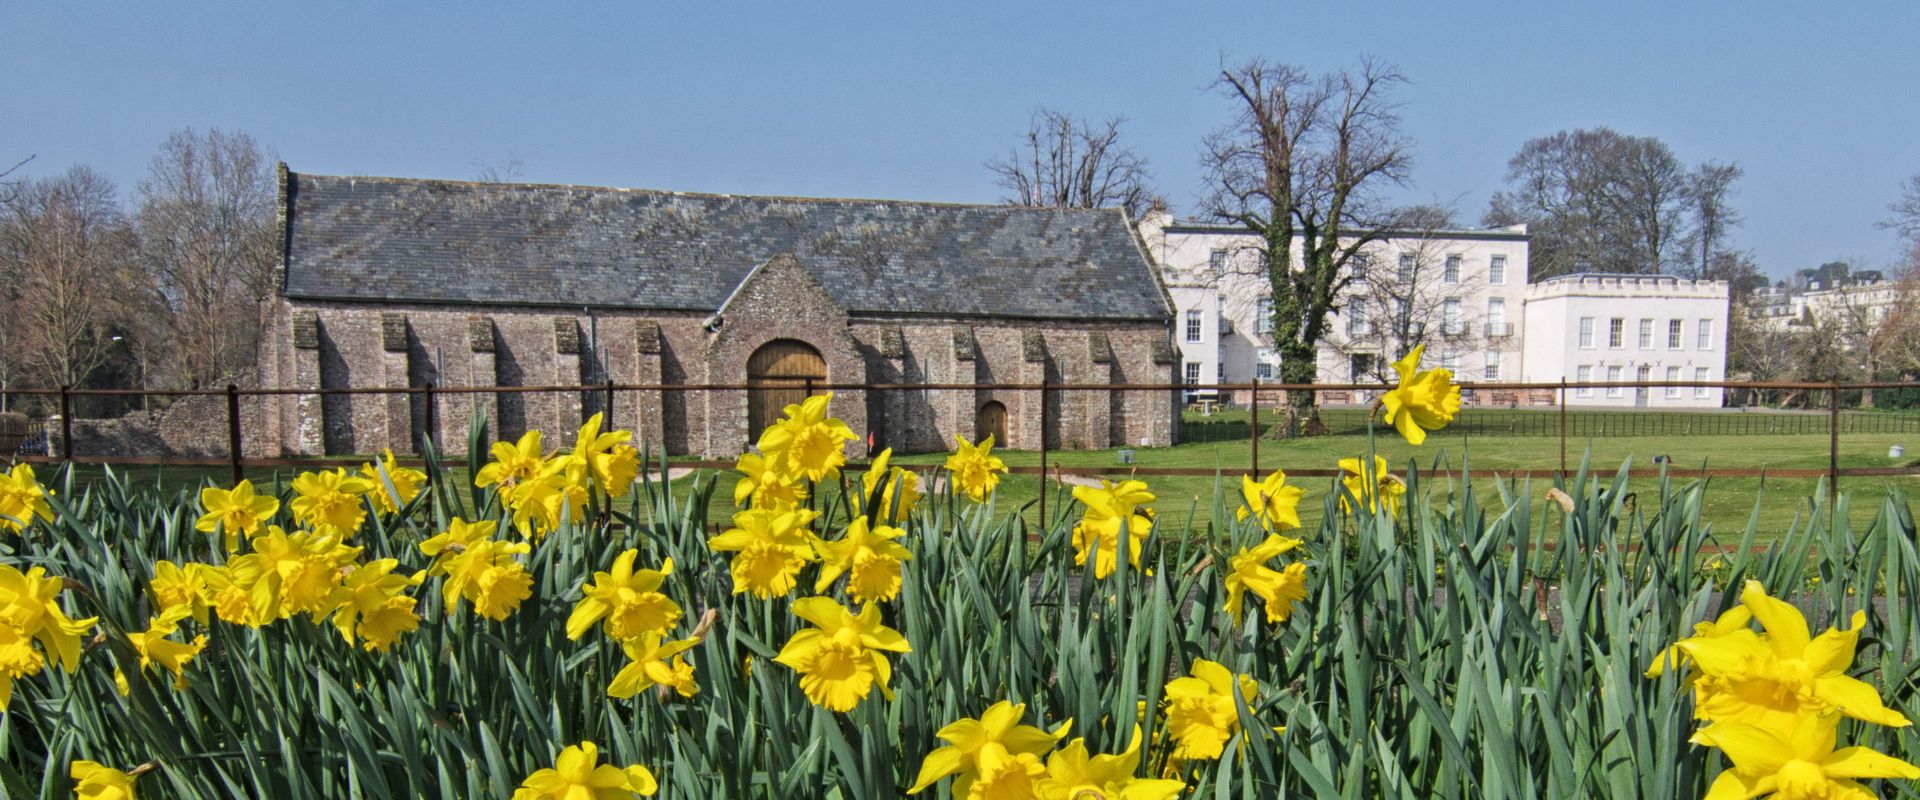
[{"x": 407, "y": 240}]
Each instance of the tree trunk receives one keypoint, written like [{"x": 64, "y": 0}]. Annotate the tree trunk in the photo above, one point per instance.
[{"x": 1298, "y": 364}]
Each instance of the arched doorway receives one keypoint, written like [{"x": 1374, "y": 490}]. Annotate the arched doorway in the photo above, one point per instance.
[
  {"x": 991, "y": 419},
  {"x": 777, "y": 374}
]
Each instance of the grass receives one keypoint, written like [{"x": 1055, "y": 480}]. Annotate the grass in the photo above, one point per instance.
[{"x": 1477, "y": 442}]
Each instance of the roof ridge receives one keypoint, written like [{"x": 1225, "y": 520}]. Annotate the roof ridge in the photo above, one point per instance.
[{"x": 524, "y": 185}]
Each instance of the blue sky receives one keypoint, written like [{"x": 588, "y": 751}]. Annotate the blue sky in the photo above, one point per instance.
[{"x": 907, "y": 100}]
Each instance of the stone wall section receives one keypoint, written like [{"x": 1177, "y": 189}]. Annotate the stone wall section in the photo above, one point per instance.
[{"x": 321, "y": 344}]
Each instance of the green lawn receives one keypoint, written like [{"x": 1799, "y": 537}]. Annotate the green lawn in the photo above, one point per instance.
[{"x": 1481, "y": 440}]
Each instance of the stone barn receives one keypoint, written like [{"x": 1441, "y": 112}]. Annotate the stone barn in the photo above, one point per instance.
[{"x": 388, "y": 282}]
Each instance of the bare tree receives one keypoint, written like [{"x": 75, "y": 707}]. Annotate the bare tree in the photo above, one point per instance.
[
  {"x": 10, "y": 187},
  {"x": 1906, "y": 212},
  {"x": 1596, "y": 200},
  {"x": 1067, "y": 162},
  {"x": 1709, "y": 189},
  {"x": 205, "y": 218},
  {"x": 1406, "y": 300},
  {"x": 506, "y": 171},
  {"x": 66, "y": 251},
  {"x": 1301, "y": 165}
]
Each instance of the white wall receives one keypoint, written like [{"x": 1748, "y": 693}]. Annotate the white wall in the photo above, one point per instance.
[
  {"x": 1229, "y": 299},
  {"x": 1554, "y": 351}
]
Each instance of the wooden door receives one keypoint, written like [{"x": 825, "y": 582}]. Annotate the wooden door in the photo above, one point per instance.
[
  {"x": 991, "y": 419},
  {"x": 777, "y": 375}
]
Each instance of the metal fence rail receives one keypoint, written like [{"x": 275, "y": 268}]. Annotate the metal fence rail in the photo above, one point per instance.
[{"x": 1553, "y": 420}]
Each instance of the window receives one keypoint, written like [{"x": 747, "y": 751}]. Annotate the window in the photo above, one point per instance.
[
  {"x": 1497, "y": 271},
  {"x": 1357, "y": 319},
  {"x": 1450, "y": 317},
  {"x": 1646, "y": 334},
  {"x": 1263, "y": 371},
  {"x": 1406, "y": 267},
  {"x": 1493, "y": 366},
  {"x": 1220, "y": 372},
  {"x": 1403, "y": 313},
  {"x": 1705, "y": 333},
  {"x": 1614, "y": 388},
  {"x": 1616, "y": 333},
  {"x": 1193, "y": 373},
  {"x": 1586, "y": 333},
  {"x": 1265, "y": 323},
  {"x": 1673, "y": 374},
  {"x": 1452, "y": 274},
  {"x": 1583, "y": 374},
  {"x": 1496, "y": 316},
  {"x": 1193, "y": 325},
  {"x": 1360, "y": 270},
  {"x": 1217, "y": 261},
  {"x": 1673, "y": 334},
  {"x": 1700, "y": 376},
  {"x": 1450, "y": 361}
]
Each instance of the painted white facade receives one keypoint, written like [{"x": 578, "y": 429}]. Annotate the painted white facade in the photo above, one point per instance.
[
  {"x": 1623, "y": 328},
  {"x": 1863, "y": 304},
  {"x": 1463, "y": 293}
]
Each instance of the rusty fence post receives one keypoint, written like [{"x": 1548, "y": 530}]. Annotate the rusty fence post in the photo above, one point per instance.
[
  {"x": 1253, "y": 423},
  {"x": 66, "y": 425},
  {"x": 1833, "y": 451},
  {"x": 607, "y": 424},
  {"x": 233, "y": 431},
  {"x": 1563, "y": 428},
  {"x": 1044, "y": 528}
]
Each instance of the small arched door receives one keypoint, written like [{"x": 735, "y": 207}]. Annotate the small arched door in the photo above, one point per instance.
[
  {"x": 991, "y": 419},
  {"x": 777, "y": 374}
]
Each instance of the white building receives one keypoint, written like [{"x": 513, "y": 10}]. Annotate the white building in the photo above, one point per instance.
[
  {"x": 1861, "y": 303},
  {"x": 1463, "y": 293},
  {"x": 1628, "y": 328}
]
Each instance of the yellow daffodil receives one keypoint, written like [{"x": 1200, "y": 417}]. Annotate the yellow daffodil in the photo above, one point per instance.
[
  {"x": 21, "y": 499},
  {"x": 18, "y": 659},
  {"x": 1073, "y": 774},
  {"x": 811, "y": 443},
  {"x": 374, "y": 604},
  {"x": 237, "y": 512},
  {"x": 1201, "y": 715},
  {"x": 1797, "y": 762},
  {"x": 870, "y": 558},
  {"x": 406, "y": 483},
  {"x": 1114, "y": 511},
  {"x": 768, "y": 549},
  {"x": 654, "y": 661},
  {"x": 607, "y": 457},
  {"x": 29, "y": 604},
  {"x": 156, "y": 649},
  {"x": 1384, "y": 492},
  {"x": 331, "y": 502},
  {"x": 92, "y": 781},
  {"x": 244, "y": 591},
  {"x": 306, "y": 567},
  {"x": 1278, "y": 590},
  {"x": 513, "y": 463},
  {"x": 1271, "y": 502},
  {"x": 1425, "y": 401},
  {"x": 974, "y": 469},
  {"x": 1732, "y": 623},
  {"x": 629, "y": 600},
  {"x": 765, "y": 484},
  {"x": 559, "y": 494},
  {"x": 883, "y": 480},
  {"x": 1773, "y": 681},
  {"x": 996, "y": 735},
  {"x": 453, "y": 541},
  {"x": 184, "y": 588},
  {"x": 577, "y": 774},
  {"x": 843, "y": 655},
  {"x": 487, "y": 576}
]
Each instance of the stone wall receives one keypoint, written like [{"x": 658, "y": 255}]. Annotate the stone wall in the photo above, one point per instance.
[{"x": 345, "y": 345}]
